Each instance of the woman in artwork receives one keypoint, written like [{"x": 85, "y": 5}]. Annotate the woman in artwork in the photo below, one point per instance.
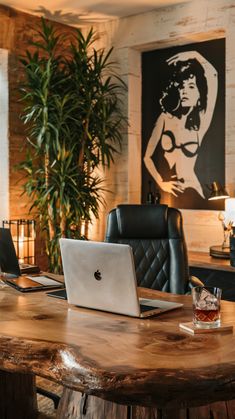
[{"x": 187, "y": 105}]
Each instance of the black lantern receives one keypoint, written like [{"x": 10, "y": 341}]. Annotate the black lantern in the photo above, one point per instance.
[{"x": 23, "y": 236}]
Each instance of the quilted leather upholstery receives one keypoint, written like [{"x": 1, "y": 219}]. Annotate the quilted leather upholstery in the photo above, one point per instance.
[{"x": 155, "y": 233}]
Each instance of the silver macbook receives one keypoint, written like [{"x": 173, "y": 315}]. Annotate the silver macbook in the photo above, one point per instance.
[{"x": 102, "y": 276}]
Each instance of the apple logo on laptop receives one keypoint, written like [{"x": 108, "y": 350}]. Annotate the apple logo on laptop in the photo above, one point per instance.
[{"x": 97, "y": 275}]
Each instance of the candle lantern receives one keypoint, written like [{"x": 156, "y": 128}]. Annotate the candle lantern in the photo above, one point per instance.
[{"x": 23, "y": 236}]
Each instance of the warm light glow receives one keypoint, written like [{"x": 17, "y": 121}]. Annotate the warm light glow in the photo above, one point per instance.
[
  {"x": 21, "y": 245},
  {"x": 21, "y": 249},
  {"x": 26, "y": 247},
  {"x": 214, "y": 198},
  {"x": 83, "y": 224},
  {"x": 230, "y": 209}
]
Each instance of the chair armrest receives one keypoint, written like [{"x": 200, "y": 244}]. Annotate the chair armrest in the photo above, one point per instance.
[{"x": 194, "y": 282}]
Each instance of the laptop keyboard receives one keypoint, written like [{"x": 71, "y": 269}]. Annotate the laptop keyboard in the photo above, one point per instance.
[
  {"x": 58, "y": 294},
  {"x": 144, "y": 308}
]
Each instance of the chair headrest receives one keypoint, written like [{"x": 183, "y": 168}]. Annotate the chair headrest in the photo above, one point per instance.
[{"x": 142, "y": 221}]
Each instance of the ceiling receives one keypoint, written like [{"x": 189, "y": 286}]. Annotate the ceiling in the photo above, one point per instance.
[{"x": 84, "y": 12}]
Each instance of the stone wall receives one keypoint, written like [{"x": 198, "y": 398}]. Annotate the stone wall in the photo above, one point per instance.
[{"x": 176, "y": 25}]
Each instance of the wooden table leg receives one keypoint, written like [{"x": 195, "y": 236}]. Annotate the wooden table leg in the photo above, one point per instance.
[
  {"x": 17, "y": 396},
  {"x": 75, "y": 405}
]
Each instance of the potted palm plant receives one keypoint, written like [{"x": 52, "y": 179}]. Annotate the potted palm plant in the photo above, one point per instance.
[{"x": 72, "y": 110}]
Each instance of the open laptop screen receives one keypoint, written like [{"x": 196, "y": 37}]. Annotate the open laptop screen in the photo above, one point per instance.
[
  {"x": 8, "y": 259},
  {"x": 101, "y": 276}
]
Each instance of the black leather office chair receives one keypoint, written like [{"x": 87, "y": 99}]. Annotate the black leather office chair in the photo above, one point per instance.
[{"x": 155, "y": 233}]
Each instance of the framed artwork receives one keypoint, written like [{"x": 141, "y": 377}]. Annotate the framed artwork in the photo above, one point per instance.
[{"x": 183, "y": 123}]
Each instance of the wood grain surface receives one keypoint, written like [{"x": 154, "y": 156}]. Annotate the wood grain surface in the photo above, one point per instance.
[
  {"x": 146, "y": 362},
  {"x": 17, "y": 396},
  {"x": 205, "y": 261}
]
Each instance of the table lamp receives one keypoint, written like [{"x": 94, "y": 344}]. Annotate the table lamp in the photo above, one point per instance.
[{"x": 217, "y": 191}]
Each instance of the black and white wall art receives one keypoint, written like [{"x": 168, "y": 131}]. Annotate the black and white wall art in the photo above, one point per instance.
[{"x": 183, "y": 123}]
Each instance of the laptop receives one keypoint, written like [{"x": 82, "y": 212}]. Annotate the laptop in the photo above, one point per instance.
[
  {"x": 101, "y": 276},
  {"x": 11, "y": 271},
  {"x": 8, "y": 259}
]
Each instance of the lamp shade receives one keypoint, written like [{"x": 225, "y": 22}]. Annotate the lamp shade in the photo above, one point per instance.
[{"x": 217, "y": 191}]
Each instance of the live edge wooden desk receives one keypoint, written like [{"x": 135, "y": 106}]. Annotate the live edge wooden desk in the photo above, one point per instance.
[{"x": 148, "y": 363}]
